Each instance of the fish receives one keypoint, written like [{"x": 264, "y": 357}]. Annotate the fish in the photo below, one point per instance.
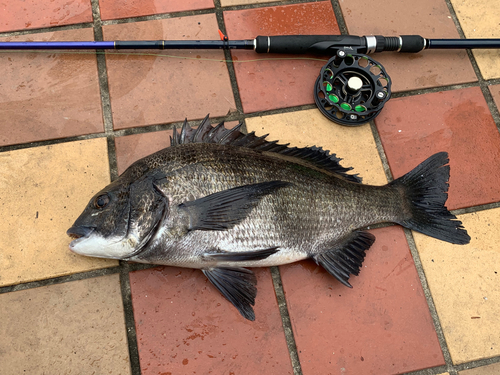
[{"x": 224, "y": 201}]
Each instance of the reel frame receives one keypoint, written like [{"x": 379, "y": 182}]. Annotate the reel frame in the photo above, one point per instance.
[{"x": 352, "y": 88}]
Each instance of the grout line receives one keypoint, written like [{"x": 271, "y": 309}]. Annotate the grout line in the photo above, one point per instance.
[
  {"x": 110, "y": 134},
  {"x": 418, "y": 265},
  {"x": 60, "y": 279},
  {"x": 483, "y": 84},
  {"x": 227, "y": 56},
  {"x": 51, "y": 29},
  {"x": 285, "y": 319},
  {"x": 429, "y": 90},
  {"x": 337, "y": 10},
  {"x": 430, "y": 302},
  {"x": 128, "y": 310}
]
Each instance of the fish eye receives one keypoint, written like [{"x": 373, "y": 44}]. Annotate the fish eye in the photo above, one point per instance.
[{"x": 101, "y": 201}]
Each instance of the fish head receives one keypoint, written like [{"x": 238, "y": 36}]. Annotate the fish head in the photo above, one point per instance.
[{"x": 119, "y": 220}]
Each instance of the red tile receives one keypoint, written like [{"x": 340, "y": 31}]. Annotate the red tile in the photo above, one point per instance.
[
  {"x": 113, "y": 9},
  {"x": 185, "y": 326},
  {"x": 495, "y": 92},
  {"x": 381, "y": 326},
  {"x": 459, "y": 122},
  {"x": 49, "y": 95},
  {"x": 428, "y": 18},
  {"x": 134, "y": 147},
  {"x": 33, "y": 14},
  {"x": 148, "y": 89},
  {"x": 268, "y": 84}
]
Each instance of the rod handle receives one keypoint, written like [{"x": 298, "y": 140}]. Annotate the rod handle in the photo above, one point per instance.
[{"x": 300, "y": 44}]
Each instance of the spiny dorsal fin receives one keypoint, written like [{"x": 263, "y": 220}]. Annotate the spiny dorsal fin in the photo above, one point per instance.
[{"x": 206, "y": 133}]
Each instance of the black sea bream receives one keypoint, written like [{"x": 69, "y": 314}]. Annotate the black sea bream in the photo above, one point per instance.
[{"x": 220, "y": 200}]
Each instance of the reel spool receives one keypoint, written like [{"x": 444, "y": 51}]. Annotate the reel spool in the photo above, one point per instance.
[{"x": 352, "y": 89}]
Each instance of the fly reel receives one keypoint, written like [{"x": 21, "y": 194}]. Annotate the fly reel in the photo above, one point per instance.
[{"x": 352, "y": 89}]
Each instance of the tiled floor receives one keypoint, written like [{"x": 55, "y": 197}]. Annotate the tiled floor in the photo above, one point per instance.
[{"x": 71, "y": 122}]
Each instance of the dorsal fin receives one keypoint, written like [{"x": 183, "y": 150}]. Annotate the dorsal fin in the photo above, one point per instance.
[{"x": 206, "y": 133}]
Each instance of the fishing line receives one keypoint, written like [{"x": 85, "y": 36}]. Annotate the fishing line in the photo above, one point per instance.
[{"x": 161, "y": 55}]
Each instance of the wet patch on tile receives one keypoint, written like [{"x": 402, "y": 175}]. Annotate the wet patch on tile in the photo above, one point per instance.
[
  {"x": 184, "y": 325},
  {"x": 464, "y": 284},
  {"x": 269, "y": 81},
  {"x": 381, "y": 326},
  {"x": 458, "y": 122},
  {"x": 115, "y": 9},
  {"x": 33, "y": 14},
  {"x": 61, "y": 329},
  {"x": 49, "y": 95},
  {"x": 480, "y": 19},
  {"x": 151, "y": 89},
  {"x": 428, "y": 18},
  {"x": 355, "y": 145},
  {"x": 42, "y": 192}
]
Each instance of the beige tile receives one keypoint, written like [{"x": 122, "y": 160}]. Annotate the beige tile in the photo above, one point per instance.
[
  {"x": 464, "y": 284},
  {"x": 71, "y": 328},
  {"x": 493, "y": 369},
  {"x": 355, "y": 145},
  {"x": 480, "y": 19},
  {"x": 42, "y": 192}
]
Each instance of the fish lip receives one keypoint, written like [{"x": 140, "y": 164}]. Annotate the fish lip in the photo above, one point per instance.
[{"x": 79, "y": 233}]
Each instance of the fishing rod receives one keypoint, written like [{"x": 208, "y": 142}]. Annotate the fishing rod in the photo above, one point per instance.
[{"x": 351, "y": 89}]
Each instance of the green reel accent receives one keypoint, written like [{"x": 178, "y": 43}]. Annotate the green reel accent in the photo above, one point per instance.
[
  {"x": 346, "y": 106},
  {"x": 334, "y": 98}
]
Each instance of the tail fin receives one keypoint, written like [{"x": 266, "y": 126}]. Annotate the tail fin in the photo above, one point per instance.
[{"x": 426, "y": 190}]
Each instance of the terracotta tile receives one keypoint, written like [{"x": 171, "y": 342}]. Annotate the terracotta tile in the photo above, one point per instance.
[
  {"x": 480, "y": 19},
  {"x": 381, "y": 326},
  {"x": 113, "y": 9},
  {"x": 134, "y": 147},
  {"x": 150, "y": 89},
  {"x": 65, "y": 328},
  {"x": 269, "y": 81},
  {"x": 49, "y": 95},
  {"x": 311, "y": 128},
  {"x": 428, "y": 18},
  {"x": 464, "y": 284},
  {"x": 32, "y": 14},
  {"x": 492, "y": 369},
  {"x": 495, "y": 92},
  {"x": 459, "y": 122},
  {"x": 42, "y": 192},
  {"x": 184, "y": 325}
]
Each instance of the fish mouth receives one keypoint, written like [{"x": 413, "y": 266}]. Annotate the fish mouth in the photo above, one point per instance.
[{"x": 79, "y": 234}]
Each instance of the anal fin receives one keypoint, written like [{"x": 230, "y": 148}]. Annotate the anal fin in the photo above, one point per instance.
[
  {"x": 346, "y": 257},
  {"x": 238, "y": 285}
]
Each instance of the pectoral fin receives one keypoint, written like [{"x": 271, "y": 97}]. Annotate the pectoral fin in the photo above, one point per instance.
[
  {"x": 225, "y": 209},
  {"x": 238, "y": 285},
  {"x": 346, "y": 257},
  {"x": 240, "y": 256}
]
